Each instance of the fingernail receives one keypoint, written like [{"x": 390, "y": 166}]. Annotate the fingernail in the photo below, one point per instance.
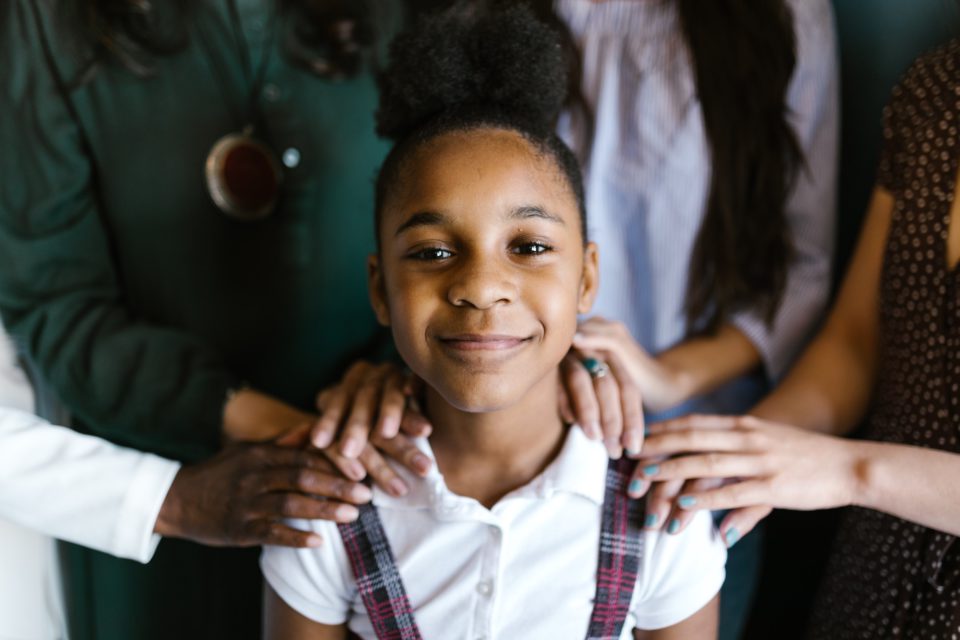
[
  {"x": 731, "y": 536},
  {"x": 313, "y": 540},
  {"x": 651, "y": 520},
  {"x": 646, "y": 431},
  {"x": 397, "y": 487},
  {"x": 614, "y": 449},
  {"x": 354, "y": 470},
  {"x": 674, "y": 526},
  {"x": 361, "y": 493},
  {"x": 651, "y": 470},
  {"x": 351, "y": 448},
  {"x": 636, "y": 486},
  {"x": 346, "y": 513},
  {"x": 390, "y": 427},
  {"x": 421, "y": 463},
  {"x": 322, "y": 440},
  {"x": 686, "y": 502},
  {"x": 593, "y": 431}
]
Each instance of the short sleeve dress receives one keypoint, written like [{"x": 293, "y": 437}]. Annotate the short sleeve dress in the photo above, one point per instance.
[{"x": 889, "y": 578}]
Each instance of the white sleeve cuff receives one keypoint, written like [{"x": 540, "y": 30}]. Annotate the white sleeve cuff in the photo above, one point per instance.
[{"x": 134, "y": 537}]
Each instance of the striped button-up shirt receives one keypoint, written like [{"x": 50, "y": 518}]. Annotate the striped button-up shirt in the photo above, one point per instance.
[{"x": 648, "y": 174}]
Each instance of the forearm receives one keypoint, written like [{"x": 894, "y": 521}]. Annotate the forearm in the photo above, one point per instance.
[
  {"x": 701, "y": 364},
  {"x": 702, "y": 625},
  {"x": 251, "y": 416},
  {"x": 913, "y": 483},
  {"x": 829, "y": 388}
]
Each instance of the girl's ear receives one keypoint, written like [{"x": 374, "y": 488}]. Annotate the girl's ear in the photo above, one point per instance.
[
  {"x": 589, "y": 279},
  {"x": 378, "y": 291}
]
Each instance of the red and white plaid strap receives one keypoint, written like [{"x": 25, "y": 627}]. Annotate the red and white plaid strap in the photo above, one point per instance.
[{"x": 388, "y": 606}]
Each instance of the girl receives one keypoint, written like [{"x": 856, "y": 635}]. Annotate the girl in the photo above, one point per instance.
[{"x": 482, "y": 268}]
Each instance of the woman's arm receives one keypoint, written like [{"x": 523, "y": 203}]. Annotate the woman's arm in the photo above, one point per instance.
[
  {"x": 827, "y": 391},
  {"x": 829, "y": 388},
  {"x": 280, "y": 622},
  {"x": 700, "y": 626}
]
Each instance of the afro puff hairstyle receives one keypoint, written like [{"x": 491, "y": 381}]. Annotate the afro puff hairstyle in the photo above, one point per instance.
[{"x": 475, "y": 65}]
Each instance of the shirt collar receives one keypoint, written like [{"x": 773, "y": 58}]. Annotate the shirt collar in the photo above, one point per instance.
[{"x": 580, "y": 468}]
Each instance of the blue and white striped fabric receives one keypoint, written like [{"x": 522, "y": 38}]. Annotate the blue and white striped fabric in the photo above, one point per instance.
[{"x": 647, "y": 174}]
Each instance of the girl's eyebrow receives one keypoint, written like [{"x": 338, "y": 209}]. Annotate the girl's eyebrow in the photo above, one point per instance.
[
  {"x": 421, "y": 219},
  {"x": 432, "y": 218},
  {"x": 533, "y": 211}
]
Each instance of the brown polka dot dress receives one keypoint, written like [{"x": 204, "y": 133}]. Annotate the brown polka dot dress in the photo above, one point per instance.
[{"x": 889, "y": 578}]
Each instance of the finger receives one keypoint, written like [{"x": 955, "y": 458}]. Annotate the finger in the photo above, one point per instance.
[
  {"x": 264, "y": 532},
  {"x": 703, "y": 421},
  {"x": 350, "y": 467},
  {"x": 393, "y": 401},
  {"x": 683, "y": 510},
  {"x": 365, "y": 405},
  {"x": 382, "y": 473},
  {"x": 296, "y": 437},
  {"x": 270, "y": 456},
  {"x": 413, "y": 423},
  {"x": 660, "y": 503},
  {"x": 301, "y": 507},
  {"x": 333, "y": 403},
  {"x": 708, "y": 465},
  {"x": 582, "y": 396},
  {"x": 735, "y": 495},
  {"x": 699, "y": 440},
  {"x": 316, "y": 483},
  {"x": 740, "y": 522},
  {"x": 404, "y": 451},
  {"x": 611, "y": 414},
  {"x": 631, "y": 406}
]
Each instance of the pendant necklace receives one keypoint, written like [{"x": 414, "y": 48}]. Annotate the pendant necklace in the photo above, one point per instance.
[{"x": 243, "y": 175}]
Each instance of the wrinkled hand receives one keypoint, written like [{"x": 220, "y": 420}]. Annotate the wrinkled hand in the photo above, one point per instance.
[
  {"x": 660, "y": 386},
  {"x": 745, "y": 464},
  {"x": 239, "y": 497}
]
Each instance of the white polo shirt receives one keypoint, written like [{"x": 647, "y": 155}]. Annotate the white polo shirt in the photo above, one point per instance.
[{"x": 524, "y": 569}]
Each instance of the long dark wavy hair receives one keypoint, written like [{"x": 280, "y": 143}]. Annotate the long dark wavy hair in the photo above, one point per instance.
[
  {"x": 331, "y": 38},
  {"x": 743, "y": 54}
]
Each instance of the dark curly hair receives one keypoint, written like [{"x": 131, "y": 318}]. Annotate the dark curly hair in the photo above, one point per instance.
[{"x": 470, "y": 67}]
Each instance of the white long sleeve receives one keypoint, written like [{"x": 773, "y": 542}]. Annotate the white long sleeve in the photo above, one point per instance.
[{"x": 80, "y": 488}]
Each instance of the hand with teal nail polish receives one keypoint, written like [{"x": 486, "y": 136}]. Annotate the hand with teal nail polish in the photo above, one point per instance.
[
  {"x": 685, "y": 502},
  {"x": 674, "y": 526},
  {"x": 651, "y": 470},
  {"x": 651, "y": 520}
]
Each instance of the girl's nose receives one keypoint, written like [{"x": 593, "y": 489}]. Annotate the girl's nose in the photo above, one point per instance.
[{"x": 481, "y": 286}]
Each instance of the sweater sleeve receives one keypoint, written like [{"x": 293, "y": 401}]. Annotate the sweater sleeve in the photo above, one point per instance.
[
  {"x": 80, "y": 488},
  {"x": 61, "y": 295},
  {"x": 813, "y": 101}
]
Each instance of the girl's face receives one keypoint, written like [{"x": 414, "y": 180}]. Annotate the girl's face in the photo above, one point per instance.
[{"x": 482, "y": 268}]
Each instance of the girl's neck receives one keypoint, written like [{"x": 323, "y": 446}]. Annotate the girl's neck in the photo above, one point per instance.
[{"x": 487, "y": 455}]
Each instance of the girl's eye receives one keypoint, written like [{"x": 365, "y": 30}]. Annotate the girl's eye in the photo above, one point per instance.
[
  {"x": 532, "y": 248},
  {"x": 432, "y": 253}
]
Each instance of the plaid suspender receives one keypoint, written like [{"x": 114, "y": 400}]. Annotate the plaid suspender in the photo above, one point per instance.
[
  {"x": 388, "y": 606},
  {"x": 621, "y": 546},
  {"x": 378, "y": 579}
]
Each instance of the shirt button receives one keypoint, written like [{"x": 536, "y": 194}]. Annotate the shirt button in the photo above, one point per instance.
[
  {"x": 485, "y": 588},
  {"x": 291, "y": 157},
  {"x": 271, "y": 92}
]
